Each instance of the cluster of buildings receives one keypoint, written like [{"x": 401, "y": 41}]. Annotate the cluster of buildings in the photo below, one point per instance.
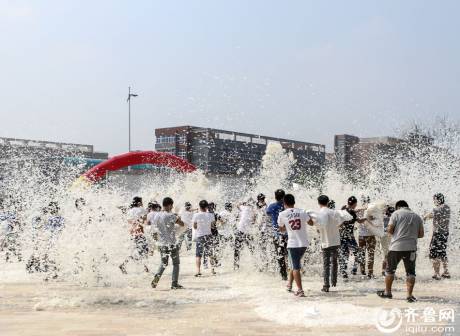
[
  {"x": 221, "y": 152},
  {"x": 47, "y": 156},
  {"x": 216, "y": 152}
]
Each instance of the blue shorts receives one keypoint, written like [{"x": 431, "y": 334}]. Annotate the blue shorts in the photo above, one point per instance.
[
  {"x": 203, "y": 245},
  {"x": 295, "y": 256}
]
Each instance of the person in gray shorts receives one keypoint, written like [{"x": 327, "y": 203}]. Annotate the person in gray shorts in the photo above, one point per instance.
[{"x": 405, "y": 227}]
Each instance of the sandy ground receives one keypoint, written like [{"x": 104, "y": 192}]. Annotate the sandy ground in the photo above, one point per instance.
[{"x": 231, "y": 303}]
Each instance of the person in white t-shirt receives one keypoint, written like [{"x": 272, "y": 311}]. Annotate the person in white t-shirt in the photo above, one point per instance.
[
  {"x": 294, "y": 221},
  {"x": 167, "y": 222},
  {"x": 243, "y": 235},
  {"x": 202, "y": 223},
  {"x": 137, "y": 217},
  {"x": 264, "y": 233},
  {"x": 328, "y": 222},
  {"x": 186, "y": 215},
  {"x": 151, "y": 233},
  {"x": 226, "y": 221}
]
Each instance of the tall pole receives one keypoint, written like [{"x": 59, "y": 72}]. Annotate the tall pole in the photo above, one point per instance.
[
  {"x": 129, "y": 118},
  {"x": 130, "y": 95}
]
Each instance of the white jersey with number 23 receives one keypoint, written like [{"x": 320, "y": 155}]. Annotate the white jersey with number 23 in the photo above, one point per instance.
[{"x": 295, "y": 220}]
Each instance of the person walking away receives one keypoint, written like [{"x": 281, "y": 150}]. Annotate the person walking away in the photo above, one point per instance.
[
  {"x": 385, "y": 240},
  {"x": 9, "y": 231},
  {"x": 137, "y": 217},
  {"x": 165, "y": 222},
  {"x": 405, "y": 227},
  {"x": 367, "y": 244},
  {"x": 438, "y": 244},
  {"x": 263, "y": 232},
  {"x": 348, "y": 243},
  {"x": 53, "y": 228},
  {"x": 202, "y": 223},
  {"x": 186, "y": 215},
  {"x": 215, "y": 241},
  {"x": 242, "y": 234},
  {"x": 294, "y": 222},
  {"x": 34, "y": 264},
  {"x": 279, "y": 239},
  {"x": 226, "y": 221},
  {"x": 328, "y": 222},
  {"x": 153, "y": 209}
]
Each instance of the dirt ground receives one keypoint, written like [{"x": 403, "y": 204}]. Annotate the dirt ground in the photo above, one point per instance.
[{"x": 241, "y": 303}]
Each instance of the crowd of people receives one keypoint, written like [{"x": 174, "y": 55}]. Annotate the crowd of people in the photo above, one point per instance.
[{"x": 275, "y": 235}]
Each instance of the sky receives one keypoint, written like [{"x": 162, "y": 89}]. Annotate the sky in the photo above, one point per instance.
[{"x": 304, "y": 70}]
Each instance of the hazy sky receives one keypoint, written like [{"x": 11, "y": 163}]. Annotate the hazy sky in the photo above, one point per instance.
[{"x": 295, "y": 69}]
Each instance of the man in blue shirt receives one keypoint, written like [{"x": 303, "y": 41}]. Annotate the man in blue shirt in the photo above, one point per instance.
[{"x": 279, "y": 239}]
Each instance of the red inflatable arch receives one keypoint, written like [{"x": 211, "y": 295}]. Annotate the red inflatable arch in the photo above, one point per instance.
[{"x": 137, "y": 158}]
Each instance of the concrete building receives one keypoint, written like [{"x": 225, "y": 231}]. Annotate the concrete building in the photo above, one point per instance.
[
  {"x": 49, "y": 157},
  {"x": 356, "y": 154},
  {"x": 221, "y": 152}
]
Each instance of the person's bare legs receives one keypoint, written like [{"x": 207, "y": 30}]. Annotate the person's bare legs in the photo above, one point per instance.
[
  {"x": 290, "y": 279},
  {"x": 297, "y": 278},
  {"x": 410, "y": 283},
  {"x": 389, "y": 283},
  {"x": 436, "y": 266},
  {"x": 198, "y": 265},
  {"x": 445, "y": 266}
]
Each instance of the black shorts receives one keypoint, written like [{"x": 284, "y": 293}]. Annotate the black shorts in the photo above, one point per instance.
[
  {"x": 408, "y": 258},
  {"x": 438, "y": 246},
  {"x": 141, "y": 246}
]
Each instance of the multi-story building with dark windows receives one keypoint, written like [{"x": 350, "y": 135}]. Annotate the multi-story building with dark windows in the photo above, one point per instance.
[{"x": 223, "y": 152}]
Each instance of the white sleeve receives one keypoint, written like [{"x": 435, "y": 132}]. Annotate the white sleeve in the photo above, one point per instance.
[
  {"x": 343, "y": 216},
  {"x": 155, "y": 221},
  {"x": 281, "y": 220},
  {"x": 305, "y": 216}
]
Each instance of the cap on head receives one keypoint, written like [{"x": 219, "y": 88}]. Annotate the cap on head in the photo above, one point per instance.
[{"x": 260, "y": 197}]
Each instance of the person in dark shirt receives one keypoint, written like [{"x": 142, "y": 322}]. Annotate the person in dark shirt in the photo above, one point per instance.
[
  {"x": 279, "y": 239},
  {"x": 438, "y": 244},
  {"x": 347, "y": 239}
]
